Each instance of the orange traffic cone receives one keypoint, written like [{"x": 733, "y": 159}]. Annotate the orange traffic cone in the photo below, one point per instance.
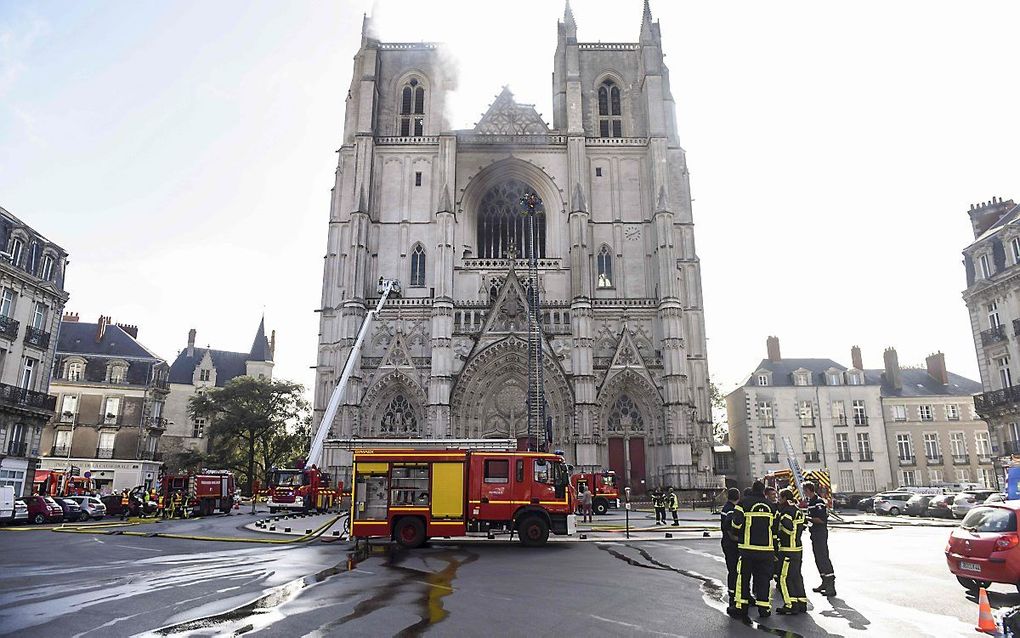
[{"x": 986, "y": 623}]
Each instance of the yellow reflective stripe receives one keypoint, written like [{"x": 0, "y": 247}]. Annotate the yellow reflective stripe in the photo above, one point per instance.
[
  {"x": 783, "y": 585},
  {"x": 740, "y": 585}
]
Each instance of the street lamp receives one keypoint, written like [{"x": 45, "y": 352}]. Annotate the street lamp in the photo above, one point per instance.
[{"x": 531, "y": 207}]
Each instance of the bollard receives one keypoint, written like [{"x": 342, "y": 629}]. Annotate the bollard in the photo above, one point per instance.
[
  {"x": 286, "y": 529},
  {"x": 668, "y": 535},
  {"x": 584, "y": 537},
  {"x": 704, "y": 534},
  {"x": 308, "y": 531},
  {"x": 272, "y": 528}
]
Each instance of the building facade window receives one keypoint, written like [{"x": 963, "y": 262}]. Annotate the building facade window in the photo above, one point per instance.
[
  {"x": 17, "y": 250},
  {"x": 962, "y": 475},
  {"x": 924, "y": 412},
  {"x": 204, "y": 374},
  {"x": 625, "y": 417},
  {"x": 39, "y": 316},
  {"x": 768, "y": 448},
  {"x": 69, "y": 406},
  {"x": 986, "y": 270},
  {"x": 839, "y": 413},
  {"x": 952, "y": 412},
  {"x": 765, "y": 414},
  {"x": 501, "y": 226},
  {"x": 864, "y": 446},
  {"x": 982, "y": 444},
  {"x": 899, "y": 412},
  {"x": 75, "y": 371},
  {"x": 860, "y": 412},
  {"x": 907, "y": 478},
  {"x": 1015, "y": 245},
  {"x": 904, "y": 447},
  {"x": 116, "y": 373},
  {"x": 846, "y": 481},
  {"x": 935, "y": 475},
  {"x": 412, "y": 109},
  {"x": 801, "y": 378},
  {"x": 1005, "y": 376},
  {"x": 47, "y": 268},
  {"x": 931, "y": 447},
  {"x": 112, "y": 410},
  {"x": 610, "y": 110},
  {"x": 987, "y": 477},
  {"x": 958, "y": 445},
  {"x": 198, "y": 428},
  {"x": 28, "y": 374},
  {"x": 418, "y": 266},
  {"x": 106, "y": 441},
  {"x": 7, "y": 299},
  {"x": 805, "y": 411},
  {"x": 855, "y": 378},
  {"x": 763, "y": 379},
  {"x": 843, "y": 446},
  {"x": 810, "y": 445},
  {"x": 604, "y": 264},
  {"x": 400, "y": 418},
  {"x": 834, "y": 378},
  {"x": 868, "y": 480},
  {"x": 993, "y": 315}
]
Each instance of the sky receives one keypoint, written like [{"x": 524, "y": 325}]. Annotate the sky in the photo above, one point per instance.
[{"x": 183, "y": 154}]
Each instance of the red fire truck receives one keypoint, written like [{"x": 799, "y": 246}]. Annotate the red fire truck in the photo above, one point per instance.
[
  {"x": 62, "y": 483},
  {"x": 299, "y": 489},
  {"x": 602, "y": 484},
  {"x": 203, "y": 493},
  {"x": 413, "y": 494}
]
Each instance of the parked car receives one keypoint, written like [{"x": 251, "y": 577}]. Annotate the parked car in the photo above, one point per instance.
[
  {"x": 20, "y": 512},
  {"x": 840, "y": 501},
  {"x": 985, "y": 548},
  {"x": 918, "y": 505},
  {"x": 113, "y": 506},
  {"x": 72, "y": 511},
  {"x": 941, "y": 506},
  {"x": 866, "y": 504},
  {"x": 967, "y": 500},
  {"x": 998, "y": 497},
  {"x": 91, "y": 507},
  {"x": 43, "y": 509},
  {"x": 891, "y": 503}
]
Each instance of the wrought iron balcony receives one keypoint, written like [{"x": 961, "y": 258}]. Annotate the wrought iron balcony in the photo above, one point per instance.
[
  {"x": 149, "y": 455},
  {"x": 37, "y": 338},
  {"x": 961, "y": 459},
  {"x": 935, "y": 460},
  {"x": 811, "y": 457},
  {"x": 844, "y": 457},
  {"x": 9, "y": 327},
  {"x": 907, "y": 461},
  {"x": 991, "y": 403},
  {"x": 17, "y": 448},
  {"x": 771, "y": 457},
  {"x": 104, "y": 453},
  {"x": 984, "y": 458},
  {"x": 22, "y": 398},
  {"x": 155, "y": 423},
  {"x": 994, "y": 335}
]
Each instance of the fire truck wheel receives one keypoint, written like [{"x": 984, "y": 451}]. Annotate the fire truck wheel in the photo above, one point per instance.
[
  {"x": 601, "y": 507},
  {"x": 533, "y": 531},
  {"x": 409, "y": 532}
]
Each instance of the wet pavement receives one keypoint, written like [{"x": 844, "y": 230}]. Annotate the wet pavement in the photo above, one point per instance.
[{"x": 890, "y": 581}]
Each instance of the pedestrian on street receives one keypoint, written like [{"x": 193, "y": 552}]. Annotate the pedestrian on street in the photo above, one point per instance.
[
  {"x": 729, "y": 542},
  {"x": 818, "y": 515},
  {"x": 674, "y": 505},
  {"x": 659, "y": 503},
  {"x": 789, "y": 525},
  {"x": 752, "y": 520},
  {"x": 125, "y": 505},
  {"x": 584, "y": 496}
]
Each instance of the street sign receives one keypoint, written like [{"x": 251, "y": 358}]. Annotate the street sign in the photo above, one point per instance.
[{"x": 88, "y": 474}]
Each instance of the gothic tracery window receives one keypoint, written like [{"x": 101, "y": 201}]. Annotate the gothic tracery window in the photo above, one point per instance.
[
  {"x": 412, "y": 109},
  {"x": 604, "y": 263},
  {"x": 399, "y": 418},
  {"x": 625, "y": 416},
  {"x": 502, "y": 226},
  {"x": 610, "y": 111},
  {"x": 418, "y": 265}
]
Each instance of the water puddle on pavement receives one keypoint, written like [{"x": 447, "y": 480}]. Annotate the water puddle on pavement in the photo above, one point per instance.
[
  {"x": 427, "y": 589},
  {"x": 713, "y": 592}
]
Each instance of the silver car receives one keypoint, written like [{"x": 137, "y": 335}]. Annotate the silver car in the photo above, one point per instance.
[
  {"x": 969, "y": 499},
  {"x": 91, "y": 507},
  {"x": 20, "y": 512},
  {"x": 892, "y": 503}
]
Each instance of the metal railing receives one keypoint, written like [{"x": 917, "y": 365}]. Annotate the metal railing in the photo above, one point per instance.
[
  {"x": 1011, "y": 447},
  {"x": 149, "y": 455},
  {"x": 984, "y": 458},
  {"x": 961, "y": 459},
  {"x": 993, "y": 335},
  {"x": 867, "y": 456},
  {"x": 935, "y": 460},
  {"x": 860, "y": 419},
  {"x": 9, "y": 327},
  {"x": 156, "y": 422},
  {"x": 104, "y": 453},
  {"x": 907, "y": 461},
  {"x": 60, "y": 450},
  {"x": 839, "y": 420},
  {"x": 37, "y": 338},
  {"x": 21, "y": 397},
  {"x": 17, "y": 448},
  {"x": 811, "y": 457},
  {"x": 844, "y": 457},
  {"x": 985, "y": 402}
]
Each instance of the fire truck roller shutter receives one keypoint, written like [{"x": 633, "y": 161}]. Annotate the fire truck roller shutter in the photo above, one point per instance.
[{"x": 447, "y": 490}]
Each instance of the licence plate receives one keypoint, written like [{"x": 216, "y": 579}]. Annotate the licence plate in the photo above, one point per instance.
[{"x": 970, "y": 567}]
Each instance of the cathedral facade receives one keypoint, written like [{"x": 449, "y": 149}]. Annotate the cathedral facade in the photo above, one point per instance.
[{"x": 625, "y": 367}]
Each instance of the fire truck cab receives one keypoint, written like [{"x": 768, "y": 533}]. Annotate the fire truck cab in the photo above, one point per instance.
[
  {"x": 299, "y": 489},
  {"x": 410, "y": 495},
  {"x": 604, "y": 492}
]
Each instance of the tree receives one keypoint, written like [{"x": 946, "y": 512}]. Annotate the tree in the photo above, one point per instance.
[
  {"x": 253, "y": 424},
  {"x": 720, "y": 421}
]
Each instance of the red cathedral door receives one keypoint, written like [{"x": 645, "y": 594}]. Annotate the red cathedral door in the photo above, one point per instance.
[
  {"x": 637, "y": 464},
  {"x": 617, "y": 459}
]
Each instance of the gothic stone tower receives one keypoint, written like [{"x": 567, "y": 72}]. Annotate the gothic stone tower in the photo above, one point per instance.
[{"x": 626, "y": 374}]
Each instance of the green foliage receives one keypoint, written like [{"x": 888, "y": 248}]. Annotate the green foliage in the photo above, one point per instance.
[
  {"x": 185, "y": 461},
  {"x": 720, "y": 423},
  {"x": 253, "y": 425}
]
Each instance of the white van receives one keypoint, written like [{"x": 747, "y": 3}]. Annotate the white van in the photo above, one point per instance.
[{"x": 6, "y": 504}]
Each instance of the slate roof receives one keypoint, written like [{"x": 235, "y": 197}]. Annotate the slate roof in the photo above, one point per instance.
[
  {"x": 918, "y": 383},
  {"x": 260, "y": 347},
  {"x": 1011, "y": 216},
  {"x": 782, "y": 370},
  {"x": 80, "y": 338},
  {"x": 228, "y": 365}
]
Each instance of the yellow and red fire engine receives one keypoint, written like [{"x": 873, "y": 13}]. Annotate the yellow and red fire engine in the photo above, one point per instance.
[{"x": 604, "y": 492}]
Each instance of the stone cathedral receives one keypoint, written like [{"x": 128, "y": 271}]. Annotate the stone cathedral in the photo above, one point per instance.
[{"x": 625, "y": 363}]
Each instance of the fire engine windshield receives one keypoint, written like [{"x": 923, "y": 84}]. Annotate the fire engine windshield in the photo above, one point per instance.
[
  {"x": 609, "y": 479},
  {"x": 286, "y": 479}
]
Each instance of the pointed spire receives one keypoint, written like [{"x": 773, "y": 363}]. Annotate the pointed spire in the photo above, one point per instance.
[
  {"x": 260, "y": 350},
  {"x": 367, "y": 28},
  {"x": 646, "y": 24},
  {"x": 578, "y": 203},
  {"x": 568, "y": 19}
]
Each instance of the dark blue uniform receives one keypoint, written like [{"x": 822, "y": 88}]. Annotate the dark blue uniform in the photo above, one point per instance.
[
  {"x": 817, "y": 509},
  {"x": 729, "y": 548},
  {"x": 752, "y": 521}
]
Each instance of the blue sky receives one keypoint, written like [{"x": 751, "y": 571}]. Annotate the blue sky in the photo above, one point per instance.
[{"x": 183, "y": 153}]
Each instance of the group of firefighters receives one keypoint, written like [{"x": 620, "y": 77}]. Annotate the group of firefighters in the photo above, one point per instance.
[
  {"x": 151, "y": 500},
  {"x": 761, "y": 539}
]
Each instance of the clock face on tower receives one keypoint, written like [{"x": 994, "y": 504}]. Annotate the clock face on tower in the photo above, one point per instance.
[{"x": 632, "y": 232}]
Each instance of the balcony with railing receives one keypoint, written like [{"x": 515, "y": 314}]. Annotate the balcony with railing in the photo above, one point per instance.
[
  {"x": 811, "y": 457},
  {"x": 17, "y": 448},
  {"x": 935, "y": 459},
  {"x": 984, "y": 458},
  {"x": 37, "y": 338},
  {"x": 994, "y": 335},
  {"x": 12, "y": 395},
  {"x": 155, "y": 423},
  {"x": 807, "y": 422},
  {"x": 961, "y": 459},
  {"x": 104, "y": 453},
  {"x": 990, "y": 403},
  {"x": 9, "y": 327},
  {"x": 1011, "y": 447},
  {"x": 767, "y": 422},
  {"x": 150, "y": 455},
  {"x": 60, "y": 450},
  {"x": 908, "y": 461},
  {"x": 844, "y": 457},
  {"x": 771, "y": 457}
]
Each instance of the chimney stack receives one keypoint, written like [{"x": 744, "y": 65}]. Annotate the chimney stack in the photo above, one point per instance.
[
  {"x": 191, "y": 342},
  {"x": 855, "y": 358},
  {"x": 772, "y": 347},
  {"x": 937, "y": 367},
  {"x": 272, "y": 345},
  {"x": 101, "y": 327},
  {"x": 128, "y": 328},
  {"x": 70, "y": 317},
  {"x": 892, "y": 369}
]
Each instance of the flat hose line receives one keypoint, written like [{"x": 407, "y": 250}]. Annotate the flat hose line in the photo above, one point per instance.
[{"x": 227, "y": 539}]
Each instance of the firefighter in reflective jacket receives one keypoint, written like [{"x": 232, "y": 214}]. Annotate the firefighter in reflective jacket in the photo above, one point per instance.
[
  {"x": 674, "y": 504},
  {"x": 789, "y": 524},
  {"x": 752, "y": 521}
]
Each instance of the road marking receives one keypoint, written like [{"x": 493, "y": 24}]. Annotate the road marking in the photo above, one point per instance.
[
  {"x": 634, "y": 627},
  {"x": 144, "y": 549}
]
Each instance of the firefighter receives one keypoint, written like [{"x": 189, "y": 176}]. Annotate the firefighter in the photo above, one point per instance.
[
  {"x": 818, "y": 514},
  {"x": 659, "y": 505},
  {"x": 125, "y": 505},
  {"x": 729, "y": 541},
  {"x": 160, "y": 509},
  {"x": 674, "y": 505},
  {"x": 175, "y": 504},
  {"x": 752, "y": 521},
  {"x": 789, "y": 526},
  {"x": 773, "y": 498}
]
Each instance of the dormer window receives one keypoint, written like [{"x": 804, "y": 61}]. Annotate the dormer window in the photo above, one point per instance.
[
  {"x": 835, "y": 378},
  {"x": 116, "y": 372},
  {"x": 412, "y": 109},
  {"x": 610, "y": 112},
  {"x": 801, "y": 378},
  {"x": 1015, "y": 245},
  {"x": 17, "y": 250},
  {"x": 763, "y": 379},
  {"x": 47, "y": 268},
  {"x": 75, "y": 371},
  {"x": 204, "y": 374},
  {"x": 854, "y": 378},
  {"x": 986, "y": 269}
]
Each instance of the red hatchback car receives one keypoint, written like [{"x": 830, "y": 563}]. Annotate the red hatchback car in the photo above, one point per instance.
[
  {"x": 43, "y": 509},
  {"x": 985, "y": 548}
]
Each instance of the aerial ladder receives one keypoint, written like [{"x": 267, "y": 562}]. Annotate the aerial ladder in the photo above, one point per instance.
[{"x": 798, "y": 474}]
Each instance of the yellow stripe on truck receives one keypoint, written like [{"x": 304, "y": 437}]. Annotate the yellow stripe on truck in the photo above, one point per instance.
[{"x": 447, "y": 490}]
